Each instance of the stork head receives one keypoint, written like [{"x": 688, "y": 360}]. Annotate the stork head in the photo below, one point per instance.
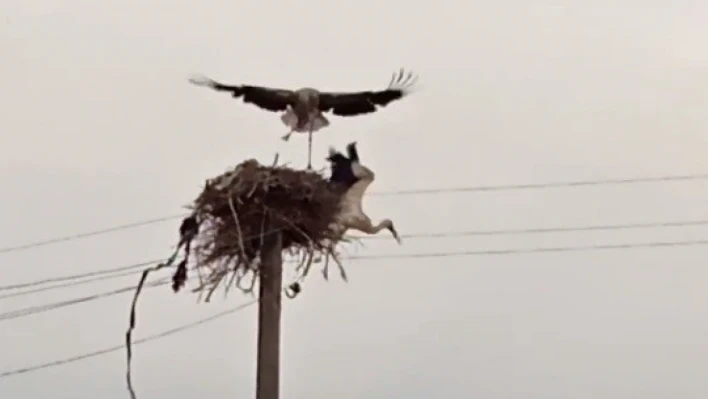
[{"x": 388, "y": 223}]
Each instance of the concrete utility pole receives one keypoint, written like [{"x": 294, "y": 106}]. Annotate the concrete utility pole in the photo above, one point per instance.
[{"x": 269, "y": 294}]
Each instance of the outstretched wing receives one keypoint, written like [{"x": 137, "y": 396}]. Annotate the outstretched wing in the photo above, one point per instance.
[
  {"x": 364, "y": 102},
  {"x": 268, "y": 98}
]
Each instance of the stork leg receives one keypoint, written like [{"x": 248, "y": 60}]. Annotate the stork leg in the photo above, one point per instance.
[
  {"x": 287, "y": 136},
  {"x": 309, "y": 149}
]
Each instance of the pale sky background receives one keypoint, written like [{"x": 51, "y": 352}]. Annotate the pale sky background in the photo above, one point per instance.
[{"x": 100, "y": 127}]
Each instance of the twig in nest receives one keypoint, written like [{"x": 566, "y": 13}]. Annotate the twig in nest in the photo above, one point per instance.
[
  {"x": 238, "y": 226},
  {"x": 188, "y": 230},
  {"x": 301, "y": 256},
  {"x": 180, "y": 276},
  {"x": 265, "y": 180},
  {"x": 233, "y": 276},
  {"x": 311, "y": 244},
  {"x": 331, "y": 253},
  {"x": 249, "y": 289},
  {"x": 209, "y": 280},
  {"x": 218, "y": 276},
  {"x": 201, "y": 281},
  {"x": 342, "y": 271},
  {"x": 307, "y": 261}
]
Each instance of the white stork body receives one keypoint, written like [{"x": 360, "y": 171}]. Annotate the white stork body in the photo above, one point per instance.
[
  {"x": 352, "y": 214},
  {"x": 351, "y": 179},
  {"x": 304, "y": 116},
  {"x": 314, "y": 121},
  {"x": 304, "y": 108}
]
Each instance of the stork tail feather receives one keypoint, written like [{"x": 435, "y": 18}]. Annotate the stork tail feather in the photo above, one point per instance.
[
  {"x": 289, "y": 119},
  {"x": 319, "y": 122}
]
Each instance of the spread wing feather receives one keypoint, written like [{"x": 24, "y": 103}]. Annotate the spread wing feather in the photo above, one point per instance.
[
  {"x": 352, "y": 152},
  {"x": 271, "y": 99},
  {"x": 364, "y": 102}
]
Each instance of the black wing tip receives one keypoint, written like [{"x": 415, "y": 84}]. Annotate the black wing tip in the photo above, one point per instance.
[
  {"x": 402, "y": 81},
  {"x": 353, "y": 152}
]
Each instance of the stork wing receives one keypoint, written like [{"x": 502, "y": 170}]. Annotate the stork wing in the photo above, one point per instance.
[
  {"x": 268, "y": 98},
  {"x": 352, "y": 201},
  {"x": 341, "y": 167},
  {"x": 364, "y": 102},
  {"x": 343, "y": 176},
  {"x": 352, "y": 152}
]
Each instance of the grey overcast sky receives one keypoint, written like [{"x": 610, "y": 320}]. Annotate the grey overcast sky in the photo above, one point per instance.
[{"x": 100, "y": 127}]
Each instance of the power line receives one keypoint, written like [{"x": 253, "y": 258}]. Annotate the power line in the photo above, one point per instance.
[
  {"x": 482, "y": 188},
  {"x": 13, "y": 314},
  {"x": 488, "y": 252},
  {"x": 426, "y": 255},
  {"x": 77, "y": 276},
  {"x": 536, "y": 186},
  {"x": 431, "y": 235},
  {"x": 404, "y": 256},
  {"x": 558, "y": 229},
  {"x": 89, "y": 233},
  {"x": 517, "y": 251},
  {"x": 116, "y": 348},
  {"x": 69, "y": 284}
]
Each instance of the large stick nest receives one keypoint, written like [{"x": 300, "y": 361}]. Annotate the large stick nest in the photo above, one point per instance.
[
  {"x": 237, "y": 210},
  {"x": 236, "y": 213}
]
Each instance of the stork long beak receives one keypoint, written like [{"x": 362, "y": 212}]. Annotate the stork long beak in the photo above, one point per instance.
[{"x": 395, "y": 233}]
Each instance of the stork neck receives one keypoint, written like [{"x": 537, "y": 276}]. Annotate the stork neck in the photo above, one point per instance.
[{"x": 375, "y": 229}]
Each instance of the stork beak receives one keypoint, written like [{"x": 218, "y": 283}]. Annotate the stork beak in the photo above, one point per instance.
[{"x": 395, "y": 233}]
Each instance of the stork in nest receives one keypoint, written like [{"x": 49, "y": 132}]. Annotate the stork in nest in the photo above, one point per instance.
[
  {"x": 304, "y": 107},
  {"x": 354, "y": 178}
]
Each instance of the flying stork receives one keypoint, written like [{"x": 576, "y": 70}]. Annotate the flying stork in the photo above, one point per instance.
[
  {"x": 304, "y": 107},
  {"x": 350, "y": 173}
]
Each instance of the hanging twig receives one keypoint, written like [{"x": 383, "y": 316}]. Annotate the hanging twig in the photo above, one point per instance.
[
  {"x": 308, "y": 260},
  {"x": 133, "y": 322}
]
